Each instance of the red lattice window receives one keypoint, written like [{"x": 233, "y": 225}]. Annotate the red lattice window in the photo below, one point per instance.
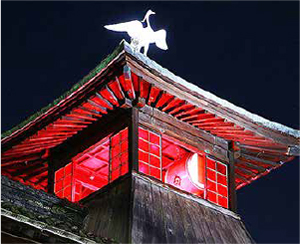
[
  {"x": 150, "y": 161},
  {"x": 182, "y": 166},
  {"x": 94, "y": 168},
  {"x": 216, "y": 182},
  {"x": 63, "y": 182},
  {"x": 119, "y": 154}
]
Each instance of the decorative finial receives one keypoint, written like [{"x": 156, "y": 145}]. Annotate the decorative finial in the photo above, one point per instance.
[{"x": 140, "y": 36}]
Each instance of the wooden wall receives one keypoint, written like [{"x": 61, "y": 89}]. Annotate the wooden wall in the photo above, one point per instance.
[
  {"x": 109, "y": 211},
  {"x": 151, "y": 213}
]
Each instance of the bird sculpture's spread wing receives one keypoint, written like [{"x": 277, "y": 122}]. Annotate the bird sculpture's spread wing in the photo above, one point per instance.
[
  {"x": 133, "y": 28},
  {"x": 160, "y": 39}
]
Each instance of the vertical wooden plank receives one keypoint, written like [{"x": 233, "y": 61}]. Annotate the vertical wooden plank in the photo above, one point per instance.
[
  {"x": 133, "y": 140},
  {"x": 183, "y": 214},
  {"x": 158, "y": 216},
  {"x": 231, "y": 179}
]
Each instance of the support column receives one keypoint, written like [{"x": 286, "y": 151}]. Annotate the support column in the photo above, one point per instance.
[
  {"x": 231, "y": 179},
  {"x": 133, "y": 139}
]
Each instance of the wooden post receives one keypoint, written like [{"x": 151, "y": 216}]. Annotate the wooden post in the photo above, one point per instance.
[
  {"x": 51, "y": 172},
  {"x": 231, "y": 179},
  {"x": 133, "y": 140}
]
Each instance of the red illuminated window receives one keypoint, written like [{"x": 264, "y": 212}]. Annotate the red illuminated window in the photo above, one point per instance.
[
  {"x": 216, "y": 182},
  {"x": 94, "y": 168},
  {"x": 119, "y": 154},
  {"x": 150, "y": 153},
  {"x": 183, "y": 167},
  {"x": 63, "y": 182}
]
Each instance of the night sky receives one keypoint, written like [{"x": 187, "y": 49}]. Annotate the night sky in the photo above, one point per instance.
[{"x": 244, "y": 52}]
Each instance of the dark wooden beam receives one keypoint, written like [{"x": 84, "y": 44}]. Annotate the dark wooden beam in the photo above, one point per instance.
[
  {"x": 43, "y": 178},
  {"x": 245, "y": 171},
  {"x": 242, "y": 178},
  {"x": 257, "y": 159},
  {"x": 231, "y": 179},
  {"x": 133, "y": 134},
  {"x": 256, "y": 167},
  {"x": 35, "y": 173},
  {"x": 171, "y": 126},
  {"x": 30, "y": 167}
]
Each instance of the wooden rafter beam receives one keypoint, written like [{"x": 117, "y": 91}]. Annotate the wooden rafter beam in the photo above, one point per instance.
[
  {"x": 208, "y": 120},
  {"x": 67, "y": 120},
  {"x": 35, "y": 145},
  {"x": 164, "y": 99},
  {"x": 6, "y": 160},
  {"x": 41, "y": 179},
  {"x": 193, "y": 110},
  {"x": 172, "y": 104},
  {"x": 97, "y": 107},
  {"x": 245, "y": 171},
  {"x": 242, "y": 178},
  {"x": 120, "y": 90},
  {"x": 189, "y": 116},
  {"x": 105, "y": 101},
  {"x": 184, "y": 107},
  {"x": 35, "y": 173},
  {"x": 250, "y": 165},
  {"x": 88, "y": 111},
  {"x": 29, "y": 168},
  {"x": 257, "y": 159},
  {"x": 111, "y": 95}
]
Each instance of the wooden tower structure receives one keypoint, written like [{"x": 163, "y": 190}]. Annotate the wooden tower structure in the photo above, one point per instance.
[{"x": 136, "y": 154}]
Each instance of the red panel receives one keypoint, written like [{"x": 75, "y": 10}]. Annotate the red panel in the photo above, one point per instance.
[
  {"x": 165, "y": 98},
  {"x": 107, "y": 94},
  {"x": 223, "y": 190},
  {"x": 223, "y": 201},
  {"x": 135, "y": 81},
  {"x": 116, "y": 89},
  {"x": 211, "y": 164},
  {"x": 126, "y": 83},
  {"x": 144, "y": 89},
  {"x": 153, "y": 95},
  {"x": 212, "y": 196},
  {"x": 211, "y": 174},
  {"x": 221, "y": 168}
]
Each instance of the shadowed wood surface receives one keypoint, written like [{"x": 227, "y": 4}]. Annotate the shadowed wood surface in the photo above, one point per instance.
[
  {"x": 140, "y": 210},
  {"x": 109, "y": 211},
  {"x": 161, "y": 215}
]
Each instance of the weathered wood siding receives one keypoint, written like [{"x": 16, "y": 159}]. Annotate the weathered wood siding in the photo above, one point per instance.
[
  {"x": 163, "y": 216},
  {"x": 109, "y": 211},
  {"x": 138, "y": 210}
]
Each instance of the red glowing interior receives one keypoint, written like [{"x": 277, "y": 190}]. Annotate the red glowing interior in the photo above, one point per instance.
[
  {"x": 94, "y": 168},
  {"x": 182, "y": 167}
]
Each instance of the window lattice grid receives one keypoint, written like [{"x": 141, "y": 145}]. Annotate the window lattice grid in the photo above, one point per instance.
[
  {"x": 216, "y": 182},
  {"x": 150, "y": 153},
  {"x": 63, "y": 182},
  {"x": 118, "y": 154}
]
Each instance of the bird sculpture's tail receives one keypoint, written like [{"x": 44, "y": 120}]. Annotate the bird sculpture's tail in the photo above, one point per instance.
[{"x": 160, "y": 39}]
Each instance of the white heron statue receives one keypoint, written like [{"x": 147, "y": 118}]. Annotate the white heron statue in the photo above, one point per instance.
[{"x": 141, "y": 36}]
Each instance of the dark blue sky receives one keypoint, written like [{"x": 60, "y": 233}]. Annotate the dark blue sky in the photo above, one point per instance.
[{"x": 245, "y": 52}]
